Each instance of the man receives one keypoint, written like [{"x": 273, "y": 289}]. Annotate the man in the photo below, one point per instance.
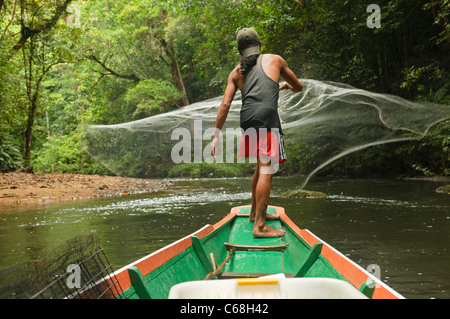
[{"x": 257, "y": 77}]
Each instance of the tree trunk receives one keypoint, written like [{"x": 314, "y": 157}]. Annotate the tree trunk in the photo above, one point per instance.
[
  {"x": 208, "y": 86},
  {"x": 380, "y": 71},
  {"x": 405, "y": 52},
  {"x": 176, "y": 74},
  {"x": 33, "y": 97},
  {"x": 48, "y": 123},
  {"x": 405, "y": 44},
  {"x": 29, "y": 130}
]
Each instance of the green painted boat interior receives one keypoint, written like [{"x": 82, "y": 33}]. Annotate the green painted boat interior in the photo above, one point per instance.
[{"x": 289, "y": 254}]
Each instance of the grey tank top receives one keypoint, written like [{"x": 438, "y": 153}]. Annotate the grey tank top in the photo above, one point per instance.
[{"x": 259, "y": 100}]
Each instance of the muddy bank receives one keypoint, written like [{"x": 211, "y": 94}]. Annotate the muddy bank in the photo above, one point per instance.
[{"x": 23, "y": 188}]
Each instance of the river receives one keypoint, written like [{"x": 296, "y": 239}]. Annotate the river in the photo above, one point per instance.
[{"x": 401, "y": 226}]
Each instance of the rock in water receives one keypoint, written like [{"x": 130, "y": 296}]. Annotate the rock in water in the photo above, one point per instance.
[{"x": 302, "y": 193}]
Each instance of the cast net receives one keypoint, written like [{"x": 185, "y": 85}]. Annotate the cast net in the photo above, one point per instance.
[{"x": 322, "y": 123}]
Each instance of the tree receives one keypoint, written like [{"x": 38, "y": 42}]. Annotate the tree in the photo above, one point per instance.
[
  {"x": 42, "y": 44},
  {"x": 34, "y": 20},
  {"x": 143, "y": 40},
  {"x": 132, "y": 59}
]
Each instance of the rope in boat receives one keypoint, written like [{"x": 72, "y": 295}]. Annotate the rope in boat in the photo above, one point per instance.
[{"x": 216, "y": 271}]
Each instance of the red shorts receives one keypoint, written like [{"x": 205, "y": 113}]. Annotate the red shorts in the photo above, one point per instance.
[{"x": 261, "y": 142}]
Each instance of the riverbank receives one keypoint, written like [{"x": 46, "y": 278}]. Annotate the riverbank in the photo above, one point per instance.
[{"x": 24, "y": 188}]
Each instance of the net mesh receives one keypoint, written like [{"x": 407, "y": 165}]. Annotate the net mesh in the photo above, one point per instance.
[
  {"x": 78, "y": 269},
  {"x": 322, "y": 123}
]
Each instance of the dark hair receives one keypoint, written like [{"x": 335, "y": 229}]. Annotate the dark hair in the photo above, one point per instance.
[{"x": 247, "y": 63}]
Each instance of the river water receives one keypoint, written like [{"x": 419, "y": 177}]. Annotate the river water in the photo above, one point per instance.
[{"x": 401, "y": 226}]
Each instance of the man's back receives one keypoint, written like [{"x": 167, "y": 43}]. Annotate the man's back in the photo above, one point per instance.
[
  {"x": 260, "y": 97},
  {"x": 274, "y": 66}
]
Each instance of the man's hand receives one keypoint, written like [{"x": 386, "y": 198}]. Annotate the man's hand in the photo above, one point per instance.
[
  {"x": 285, "y": 86},
  {"x": 215, "y": 146}
]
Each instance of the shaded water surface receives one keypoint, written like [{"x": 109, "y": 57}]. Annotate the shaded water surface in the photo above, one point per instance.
[{"x": 401, "y": 226}]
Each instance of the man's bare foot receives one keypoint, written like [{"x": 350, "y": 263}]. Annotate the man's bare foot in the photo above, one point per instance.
[
  {"x": 266, "y": 231},
  {"x": 268, "y": 216}
]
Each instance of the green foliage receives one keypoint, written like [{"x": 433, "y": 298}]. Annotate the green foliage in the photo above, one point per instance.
[
  {"x": 298, "y": 161},
  {"x": 211, "y": 170},
  {"x": 63, "y": 154},
  {"x": 441, "y": 12},
  {"x": 152, "y": 97},
  {"x": 125, "y": 60},
  {"x": 10, "y": 156}
]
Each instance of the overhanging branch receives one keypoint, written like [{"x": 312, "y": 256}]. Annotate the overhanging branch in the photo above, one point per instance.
[{"x": 131, "y": 76}]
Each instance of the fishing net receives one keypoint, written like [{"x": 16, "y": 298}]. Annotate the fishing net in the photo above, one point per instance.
[
  {"x": 78, "y": 269},
  {"x": 322, "y": 123}
]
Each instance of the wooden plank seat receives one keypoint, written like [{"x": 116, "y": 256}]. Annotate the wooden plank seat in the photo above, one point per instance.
[{"x": 237, "y": 247}]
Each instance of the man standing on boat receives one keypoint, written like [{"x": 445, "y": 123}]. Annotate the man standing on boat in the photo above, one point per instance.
[{"x": 257, "y": 77}]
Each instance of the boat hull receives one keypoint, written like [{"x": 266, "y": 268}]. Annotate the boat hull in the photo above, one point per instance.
[{"x": 227, "y": 250}]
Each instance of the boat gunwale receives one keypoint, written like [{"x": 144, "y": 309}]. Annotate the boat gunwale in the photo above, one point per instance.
[
  {"x": 341, "y": 263},
  {"x": 158, "y": 258},
  {"x": 151, "y": 262}
]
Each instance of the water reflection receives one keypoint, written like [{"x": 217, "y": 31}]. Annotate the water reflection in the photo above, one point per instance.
[{"x": 403, "y": 227}]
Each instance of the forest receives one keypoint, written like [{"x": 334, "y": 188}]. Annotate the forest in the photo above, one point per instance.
[{"x": 68, "y": 62}]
